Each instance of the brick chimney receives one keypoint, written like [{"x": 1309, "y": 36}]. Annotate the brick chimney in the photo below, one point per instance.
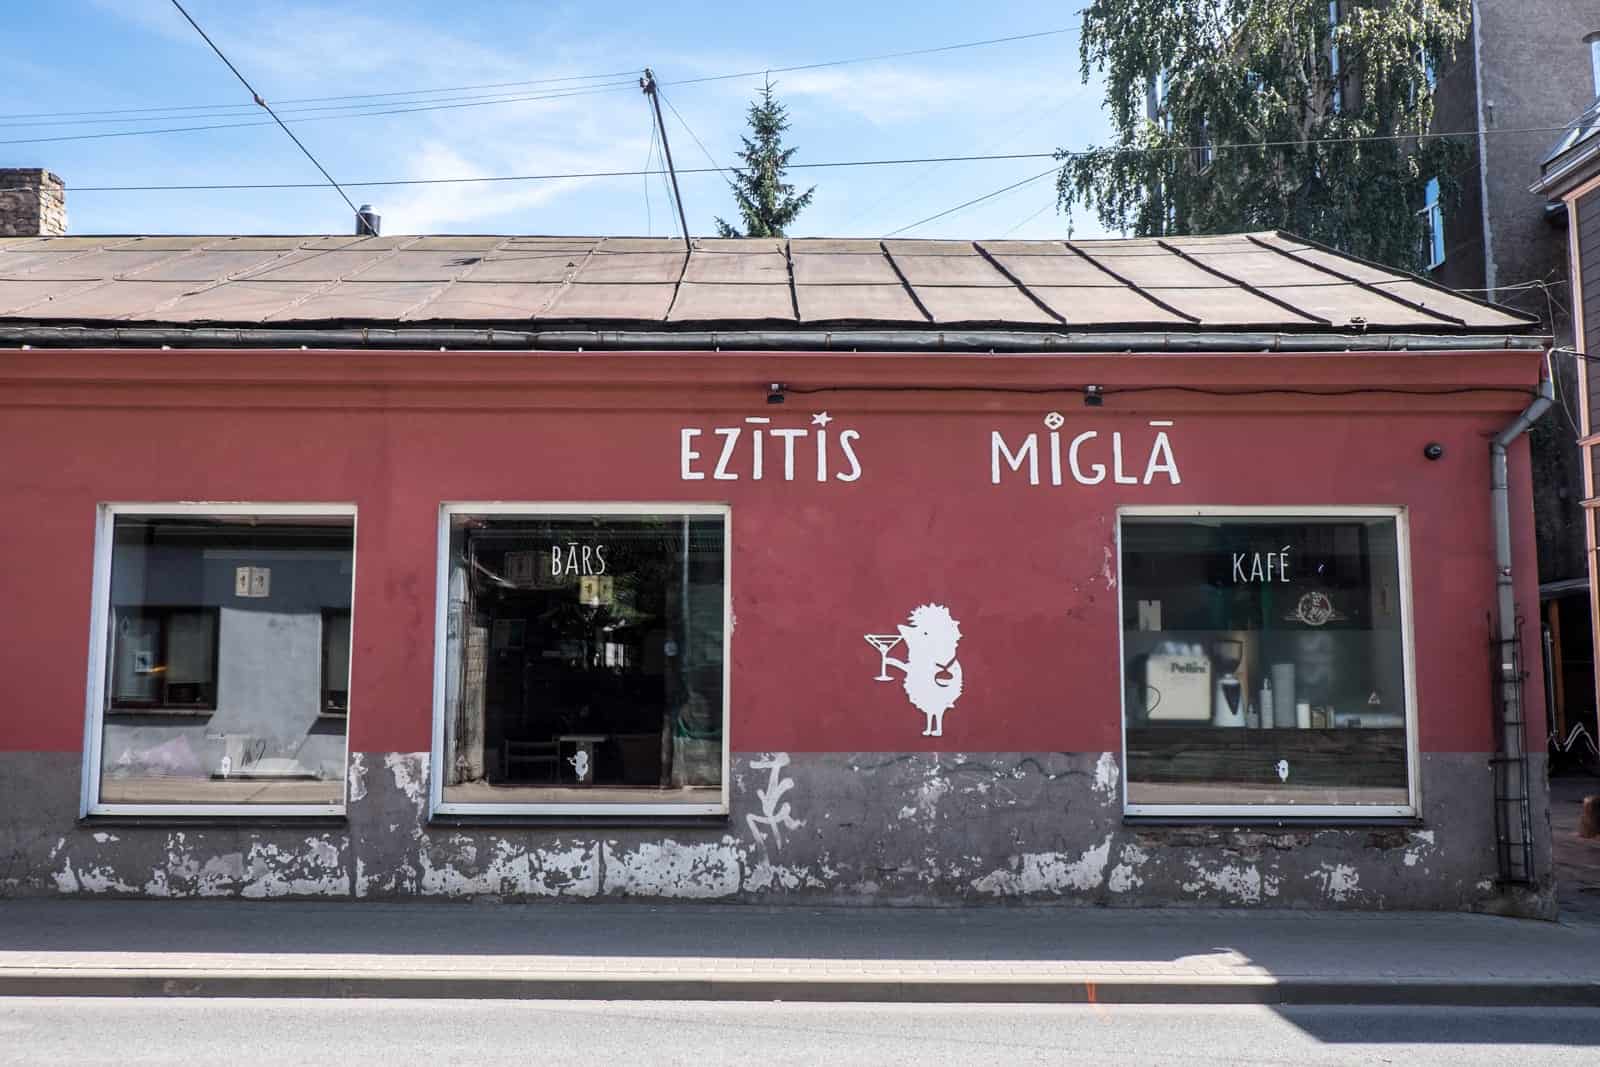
[{"x": 33, "y": 203}]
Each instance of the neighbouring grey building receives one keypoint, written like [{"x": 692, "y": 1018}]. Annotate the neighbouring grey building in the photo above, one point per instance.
[{"x": 1528, "y": 68}]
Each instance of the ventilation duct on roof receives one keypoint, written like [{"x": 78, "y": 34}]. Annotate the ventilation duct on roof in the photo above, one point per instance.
[{"x": 367, "y": 221}]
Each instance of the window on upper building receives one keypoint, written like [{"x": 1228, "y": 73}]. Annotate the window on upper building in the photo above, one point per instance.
[
  {"x": 1431, "y": 254},
  {"x": 1333, "y": 56},
  {"x": 1593, "y": 41},
  {"x": 222, "y": 636}
]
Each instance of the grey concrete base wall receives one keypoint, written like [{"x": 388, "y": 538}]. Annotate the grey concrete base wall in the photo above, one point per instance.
[{"x": 858, "y": 828}]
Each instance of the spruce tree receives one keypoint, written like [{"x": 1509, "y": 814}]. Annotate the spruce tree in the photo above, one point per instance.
[
  {"x": 1302, "y": 115},
  {"x": 768, "y": 203}
]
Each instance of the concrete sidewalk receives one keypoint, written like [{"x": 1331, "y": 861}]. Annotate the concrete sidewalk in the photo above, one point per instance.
[{"x": 694, "y": 952}]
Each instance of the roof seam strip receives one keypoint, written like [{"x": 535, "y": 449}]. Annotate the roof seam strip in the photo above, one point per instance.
[
  {"x": 1131, "y": 284},
  {"x": 794, "y": 293},
  {"x": 1016, "y": 281},
  {"x": 567, "y": 281},
  {"x": 904, "y": 282},
  {"x": 1353, "y": 280},
  {"x": 1253, "y": 290},
  {"x": 1427, "y": 283}
]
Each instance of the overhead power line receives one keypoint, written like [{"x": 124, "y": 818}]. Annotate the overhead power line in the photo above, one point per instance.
[
  {"x": 325, "y": 99},
  {"x": 974, "y": 200},
  {"x": 356, "y": 110},
  {"x": 694, "y": 136},
  {"x": 977, "y": 158},
  {"x": 872, "y": 59},
  {"x": 326, "y": 118},
  {"x": 221, "y": 110},
  {"x": 212, "y": 187},
  {"x": 7, "y": 119},
  {"x": 257, "y": 97}
]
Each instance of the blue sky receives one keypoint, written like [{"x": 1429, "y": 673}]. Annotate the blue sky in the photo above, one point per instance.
[{"x": 98, "y": 55}]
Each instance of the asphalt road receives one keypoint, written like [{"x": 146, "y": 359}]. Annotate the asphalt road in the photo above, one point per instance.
[{"x": 91, "y": 1030}]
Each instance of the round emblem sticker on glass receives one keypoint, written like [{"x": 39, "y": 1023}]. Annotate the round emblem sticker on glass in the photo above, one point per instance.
[{"x": 1314, "y": 609}]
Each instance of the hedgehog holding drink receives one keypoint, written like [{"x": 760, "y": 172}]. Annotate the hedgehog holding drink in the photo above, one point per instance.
[{"x": 933, "y": 675}]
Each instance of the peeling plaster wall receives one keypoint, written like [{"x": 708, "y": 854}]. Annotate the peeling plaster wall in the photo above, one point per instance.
[{"x": 949, "y": 828}]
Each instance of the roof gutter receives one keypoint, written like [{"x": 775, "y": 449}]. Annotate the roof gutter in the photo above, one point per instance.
[{"x": 752, "y": 340}]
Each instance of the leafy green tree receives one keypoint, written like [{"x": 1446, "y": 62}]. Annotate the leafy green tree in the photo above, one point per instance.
[
  {"x": 1304, "y": 115},
  {"x": 768, "y": 203}
]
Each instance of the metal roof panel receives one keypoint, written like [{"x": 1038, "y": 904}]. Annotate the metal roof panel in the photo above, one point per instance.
[
  {"x": 241, "y": 301},
  {"x": 638, "y": 302},
  {"x": 1106, "y": 305},
  {"x": 719, "y": 301},
  {"x": 486, "y": 301},
  {"x": 359, "y": 301},
  {"x": 869, "y": 303},
  {"x": 842, "y": 268},
  {"x": 632, "y": 267},
  {"x": 767, "y": 267},
  {"x": 112, "y": 300},
  {"x": 970, "y": 269},
  {"x": 985, "y": 304},
  {"x": 516, "y": 264}
]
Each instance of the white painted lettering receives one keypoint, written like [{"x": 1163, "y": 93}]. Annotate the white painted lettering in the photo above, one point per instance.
[
  {"x": 1055, "y": 457},
  {"x": 1028, "y": 451},
  {"x": 822, "y": 455},
  {"x": 1264, "y": 566},
  {"x": 1169, "y": 466},
  {"x": 850, "y": 456},
  {"x": 1098, "y": 469},
  {"x": 788, "y": 436},
  {"x": 1116, "y": 462},
  {"x": 731, "y": 435},
  {"x": 689, "y": 455}
]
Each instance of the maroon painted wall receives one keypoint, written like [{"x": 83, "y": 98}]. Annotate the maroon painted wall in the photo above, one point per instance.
[{"x": 1028, "y": 570}]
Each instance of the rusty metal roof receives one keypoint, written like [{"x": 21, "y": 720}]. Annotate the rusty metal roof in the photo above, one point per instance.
[{"x": 1246, "y": 282}]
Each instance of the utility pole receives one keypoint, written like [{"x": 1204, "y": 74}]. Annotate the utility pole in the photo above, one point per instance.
[{"x": 648, "y": 84}]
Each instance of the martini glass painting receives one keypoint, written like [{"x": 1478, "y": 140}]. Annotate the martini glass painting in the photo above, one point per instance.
[{"x": 883, "y": 643}]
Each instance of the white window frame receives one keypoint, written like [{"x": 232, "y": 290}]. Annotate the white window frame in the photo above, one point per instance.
[
  {"x": 1408, "y": 660},
  {"x": 1432, "y": 213},
  {"x": 497, "y": 508},
  {"x": 100, "y": 663}
]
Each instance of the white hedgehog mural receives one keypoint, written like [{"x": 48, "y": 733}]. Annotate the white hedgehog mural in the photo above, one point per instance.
[{"x": 932, "y": 672}]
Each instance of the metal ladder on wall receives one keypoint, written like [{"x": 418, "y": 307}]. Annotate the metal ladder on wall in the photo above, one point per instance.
[{"x": 1513, "y": 823}]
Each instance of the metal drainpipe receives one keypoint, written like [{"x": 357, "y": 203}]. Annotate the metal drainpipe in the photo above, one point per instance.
[{"x": 1512, "y": 742}]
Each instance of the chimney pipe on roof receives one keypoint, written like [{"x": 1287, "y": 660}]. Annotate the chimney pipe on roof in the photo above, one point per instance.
[
  {"x": 367, "y": 221},
  {"x": 33, "y": 203}
]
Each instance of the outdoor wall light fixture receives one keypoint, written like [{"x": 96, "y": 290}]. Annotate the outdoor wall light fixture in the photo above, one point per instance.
[
  {"x": 775, "y": 393},
  {"x": 1432, "y": 450},
  {"x": 1093, "y": 396}
]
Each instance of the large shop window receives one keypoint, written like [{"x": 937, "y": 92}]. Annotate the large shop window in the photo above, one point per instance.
[
  {"x": 1266, "y": 664},
  {"x": 222, "y": 644},
  {"x": 583, "y": 660}
]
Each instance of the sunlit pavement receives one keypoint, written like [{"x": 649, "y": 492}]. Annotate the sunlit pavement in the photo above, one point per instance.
[{"x": 485, "y": 1032}]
